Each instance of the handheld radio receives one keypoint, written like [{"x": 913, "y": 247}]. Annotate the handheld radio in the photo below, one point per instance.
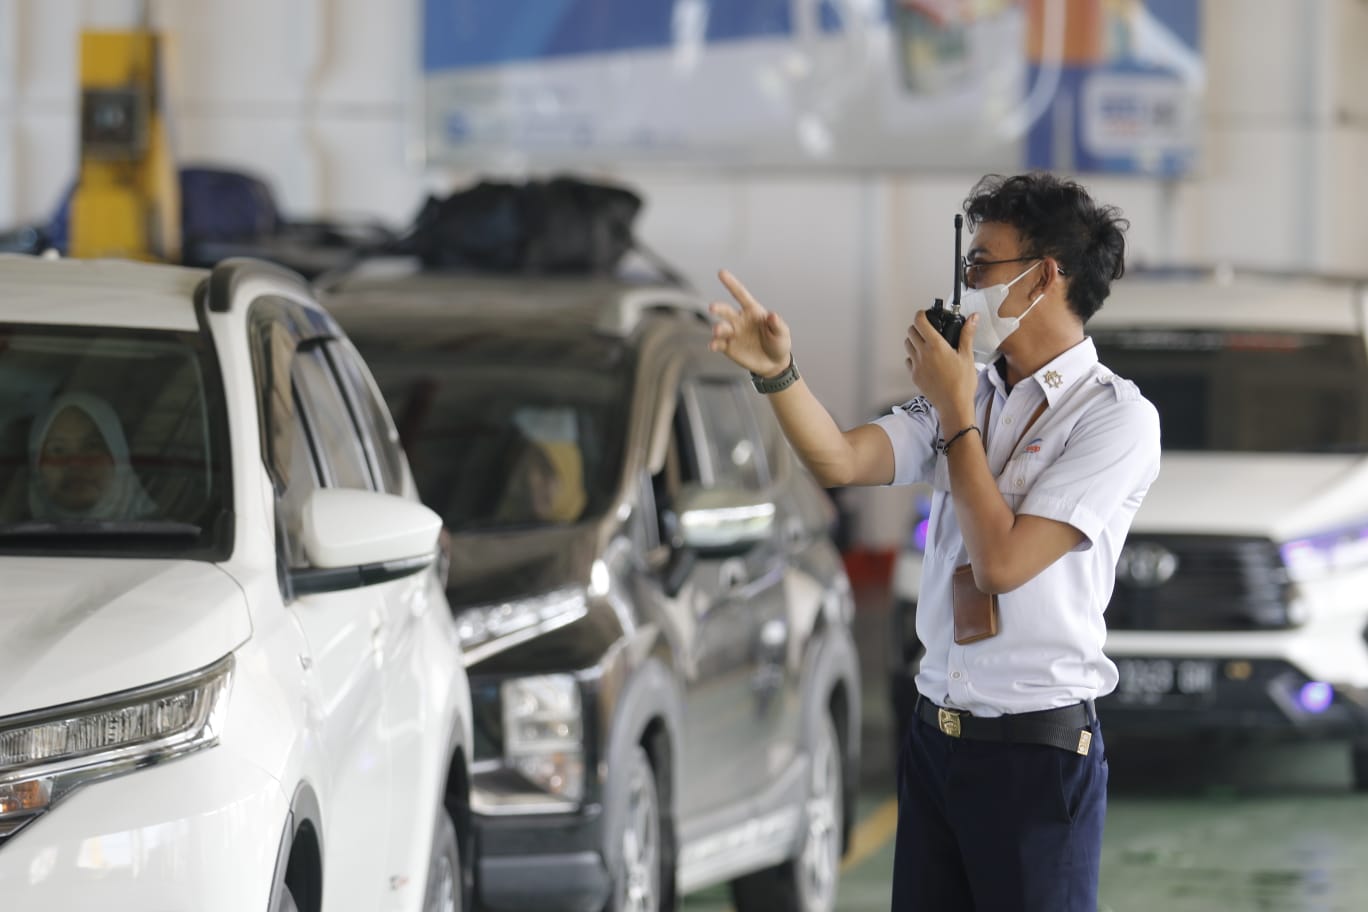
[{"x": 948, "y": 321}]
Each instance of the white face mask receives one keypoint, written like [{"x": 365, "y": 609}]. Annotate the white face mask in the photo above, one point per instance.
[{"x": 992, "y": 327}]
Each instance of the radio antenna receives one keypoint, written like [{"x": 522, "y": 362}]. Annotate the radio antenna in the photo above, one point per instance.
[{"x": 959, "y": 261}]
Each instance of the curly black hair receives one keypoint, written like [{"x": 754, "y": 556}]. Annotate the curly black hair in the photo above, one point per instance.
[{"x": 1057, "y": 218}]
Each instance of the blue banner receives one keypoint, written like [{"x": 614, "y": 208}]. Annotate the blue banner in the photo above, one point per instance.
[
  {"x": 842, "y": 84},
  {"x": 459, "y": 34}
]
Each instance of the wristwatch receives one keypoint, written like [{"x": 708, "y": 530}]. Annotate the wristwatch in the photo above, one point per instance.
[{"x": 780, "y": 381}]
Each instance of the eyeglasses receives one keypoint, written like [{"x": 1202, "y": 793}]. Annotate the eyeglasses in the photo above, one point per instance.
[{"x": 969, "y": 271}]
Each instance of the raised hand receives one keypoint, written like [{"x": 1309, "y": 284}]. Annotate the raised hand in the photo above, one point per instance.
[{"x": 755, "y": 338}]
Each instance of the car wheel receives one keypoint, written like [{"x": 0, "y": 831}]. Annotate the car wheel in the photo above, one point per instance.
[
  {"x": 443, "y": 893},
  {"x": 807, "y": 882},
  {"x": 637, "y": 884}
]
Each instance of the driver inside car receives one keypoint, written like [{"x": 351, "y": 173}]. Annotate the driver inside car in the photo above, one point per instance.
[{"x": 79, "y": 464}]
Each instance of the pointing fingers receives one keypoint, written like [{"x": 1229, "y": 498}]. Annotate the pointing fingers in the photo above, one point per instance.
[{"x": 749, "y": 305}]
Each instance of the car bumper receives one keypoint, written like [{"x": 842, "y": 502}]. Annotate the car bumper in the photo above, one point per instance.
[
  {"x": 1161, "y": 696},
  {"x": 552, "y": 863},
  {"x": 198, "y": 833}
]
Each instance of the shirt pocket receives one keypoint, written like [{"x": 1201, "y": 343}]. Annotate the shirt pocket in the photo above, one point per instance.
[{"x": 1018, "y": 477}]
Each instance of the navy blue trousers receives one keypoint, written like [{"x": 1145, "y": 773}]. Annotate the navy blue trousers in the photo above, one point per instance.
[{"x": 991, "y": 827}]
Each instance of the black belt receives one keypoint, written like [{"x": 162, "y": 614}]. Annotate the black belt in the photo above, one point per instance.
[{"x": 1066, "y": 727}]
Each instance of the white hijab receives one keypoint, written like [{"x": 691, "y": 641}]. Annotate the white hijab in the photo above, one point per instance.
[{"x": 123, "y": 499}]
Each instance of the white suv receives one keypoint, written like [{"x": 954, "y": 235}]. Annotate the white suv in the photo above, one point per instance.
[
  {"x": 1241, "y": 598},
  {"x": 229, "y": 676}
]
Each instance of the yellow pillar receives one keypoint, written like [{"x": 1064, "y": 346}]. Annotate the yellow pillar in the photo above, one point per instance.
[{"x": 127, "y": 200}]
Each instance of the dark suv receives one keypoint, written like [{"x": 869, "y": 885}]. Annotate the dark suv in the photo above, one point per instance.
[{"x": 654, "y": 616}]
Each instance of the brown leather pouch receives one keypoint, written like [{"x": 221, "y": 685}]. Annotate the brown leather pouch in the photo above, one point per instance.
[{"x": 976, "y": 612}]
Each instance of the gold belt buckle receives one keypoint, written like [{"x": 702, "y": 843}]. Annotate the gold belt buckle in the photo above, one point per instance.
[{"x": 948, "y": 721}]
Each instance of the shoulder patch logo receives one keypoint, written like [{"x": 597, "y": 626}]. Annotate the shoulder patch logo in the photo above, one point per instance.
[{"x": 917, "y": 406}]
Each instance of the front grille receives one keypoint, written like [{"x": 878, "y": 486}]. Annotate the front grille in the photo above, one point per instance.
[{"x": 1211, "y": 583}]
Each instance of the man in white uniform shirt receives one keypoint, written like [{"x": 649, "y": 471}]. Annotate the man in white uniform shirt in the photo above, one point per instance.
[{"x": 1039, "y": 459}]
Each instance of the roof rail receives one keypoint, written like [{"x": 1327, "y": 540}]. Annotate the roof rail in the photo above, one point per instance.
[
  {"x": 633, "y": 304},
  {"x": 369, "y": 266},
  {"x": 218, "y": 290}
]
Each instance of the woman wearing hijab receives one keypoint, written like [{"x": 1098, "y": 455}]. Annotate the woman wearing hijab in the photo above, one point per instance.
[{"x": 79, "y": 465}]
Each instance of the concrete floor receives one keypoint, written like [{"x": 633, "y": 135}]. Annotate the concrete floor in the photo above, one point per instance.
[{"x": 1190, "y": 827}]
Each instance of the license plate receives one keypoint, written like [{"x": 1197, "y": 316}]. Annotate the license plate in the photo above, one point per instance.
[{"x": 1157, "y": 682}]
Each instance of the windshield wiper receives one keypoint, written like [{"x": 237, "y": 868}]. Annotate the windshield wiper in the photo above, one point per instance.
[{"x": 102, "y": 528}]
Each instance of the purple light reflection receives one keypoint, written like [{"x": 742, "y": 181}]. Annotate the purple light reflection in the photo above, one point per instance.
[
  {"x": 1315, "y": 696},
  {"x": 919, "y": 534}
]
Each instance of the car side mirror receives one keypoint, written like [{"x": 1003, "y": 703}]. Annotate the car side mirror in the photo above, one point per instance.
[
  {"x": 719, "y": 522},
  {"x": 360, "y": 538}
]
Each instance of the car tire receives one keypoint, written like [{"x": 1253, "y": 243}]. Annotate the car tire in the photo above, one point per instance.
[
  {"x": 637, "y": 845},
  {"x": 444, "y": 878},
  {"x": 807, "y": 882}
]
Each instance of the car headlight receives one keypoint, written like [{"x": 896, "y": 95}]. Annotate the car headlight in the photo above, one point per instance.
[
  {"x": 1321, "y": 555},
  {"x": 47, "y": 754},
  {"x": 537, "y": 766},
  {"x": 543, "y": 733},
  {"x": 485, "y": 630}
]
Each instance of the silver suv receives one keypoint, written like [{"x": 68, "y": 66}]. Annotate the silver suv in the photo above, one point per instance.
[{"x": 654, "y": 617}]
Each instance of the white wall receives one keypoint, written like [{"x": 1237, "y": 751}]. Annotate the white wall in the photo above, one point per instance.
[{"x": 320, "y": 96}]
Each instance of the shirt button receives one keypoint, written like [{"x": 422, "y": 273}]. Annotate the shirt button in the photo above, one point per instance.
[
  {"x": 1006, "y": 420},
  {"x": 955, "y": 675},
  {"x": 1021, "y": 482}
]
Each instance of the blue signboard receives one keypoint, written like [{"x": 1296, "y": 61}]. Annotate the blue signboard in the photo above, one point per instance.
[
  {"x": 841, "y": 84},
  {"x": 1134, "y": 108}
]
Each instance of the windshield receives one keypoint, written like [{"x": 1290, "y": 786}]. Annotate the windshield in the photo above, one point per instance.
[
  {"x": 506, "y": 433},
  {"x": 111, "y": 441},
  {"x": 1257, "y": 392}
]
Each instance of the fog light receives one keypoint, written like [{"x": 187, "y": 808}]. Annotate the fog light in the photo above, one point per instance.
[
  {"x": 1315, "y": 696},
  {"x": 25, "y": 797}
]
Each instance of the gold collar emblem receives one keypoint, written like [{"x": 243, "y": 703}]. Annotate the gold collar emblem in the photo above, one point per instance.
[{"x": 1053, "y": 380}]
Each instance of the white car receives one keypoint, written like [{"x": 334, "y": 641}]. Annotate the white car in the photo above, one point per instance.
[
  {"x": 229, "y": 676},
  {"x": 1241, "y": 598}
]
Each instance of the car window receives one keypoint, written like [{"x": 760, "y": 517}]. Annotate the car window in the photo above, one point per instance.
[
  {"x": 303, "y": 481},
  {"x": 372, "y": 416},
  {"x": 1247, "y": 391},
  {"x": 122, "y": 429},
  {"x": 730, "y": 448},
  {"x": 510, "y": 432},
  {"x": 335, "y": 436},
  {"x": 681, "y": 467},
  {"x": 779, "y": 455}
]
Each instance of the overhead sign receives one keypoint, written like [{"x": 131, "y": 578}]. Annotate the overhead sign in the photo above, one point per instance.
[
  {"x": 838, "y": 84},
  {"x": 1126, "y": 84}
]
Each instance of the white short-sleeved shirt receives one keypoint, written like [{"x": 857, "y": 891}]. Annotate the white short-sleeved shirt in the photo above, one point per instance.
[{"x": 1087, "y": 461}]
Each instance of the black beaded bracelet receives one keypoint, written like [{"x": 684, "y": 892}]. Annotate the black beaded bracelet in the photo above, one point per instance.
[{"x": 945, "y": 447}]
